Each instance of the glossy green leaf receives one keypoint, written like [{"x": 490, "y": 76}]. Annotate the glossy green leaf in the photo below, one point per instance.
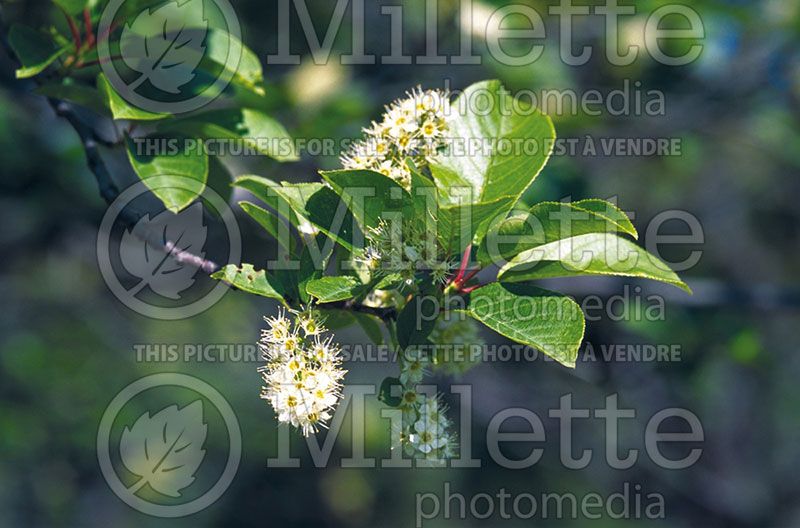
[
  {"x": 250, "y": 280},
  {"x": 590, "y": 254},
  {"x": 221, "y": 55},
  {"x": 312, "y": 264},
  {"x": 550, "y": 221},
  {"x": 495, "y": 152},
  {"x": 610, "y": 212},
  {"x": 72, "y": 7},
  {"x": 176, "y": 178},
  {"x": 460, "y": 225},
  {"x": 219, "y": 45},
  {"x": 120, "y": 108},
  {"x": 423, "y": 196},
  {"x": 271, "y": 223},
  {"x": 311, "y": 203},
  {"x": 265, "y": 190},
  {"x": 332, "y": 289},
  {"x": 545, "y": 320},
  {"x": 368, "y": 195},
  {"x": 390, "y": 281},
  {"x": 164, "y": 46},
  {"x": 339, "y": 319},
  {"x": 244, "y": 127},
  {"x": 416, "y": 321},
  {"x": 35, "y": 50},
  {"x": 390, "y": 392},
  {"x": 319, "y": 205}
]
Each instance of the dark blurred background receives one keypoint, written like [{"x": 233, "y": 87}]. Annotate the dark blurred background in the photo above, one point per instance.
[{"x": 68, "y": 344}]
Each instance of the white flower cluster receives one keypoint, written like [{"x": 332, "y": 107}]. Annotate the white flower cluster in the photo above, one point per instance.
[
  {"x": 425, "y": 432},
  {"x": 413, "y": 127},
  {"x": 302, "y": 377}
]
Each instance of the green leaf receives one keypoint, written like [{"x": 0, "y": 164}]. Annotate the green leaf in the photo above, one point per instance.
[
  {"x": 120, "y": 108},
  {"x": 332, "y": 289},
  {"x": 456, "y": 225},
  {"x": 250, "y": 280},
  {"x": 251, "y": 128},
  {"x": 164, "y": 44},
  {"x": 548, "y": 321},
  {"x": 390, "y": 281},
  {"x": 499, "y": 168},
  {"x": 461, "y": 225},
  {"x": 590, "y": 254},
  {"x": 248, "y": 73},
  {"x": 391, "y": 386},
  {"x": 79, "y": 94},
  {"x": 416, "y": 321},
  {"x": 268, "y": 192},
  {"x": 610, "y": 212},
  {"x": 547, "y": 222},
  {"x": 339, "y": 319},
  {"x": 214, "y": 54},
  {"x": 72, "y": 7},
  {"x": 131, "y": 8},
  {"x": 367, "y": 194},
  {"x": 219, "y": 178},
  {"x": 35, "y": 50},
  {"x": 319, "y": 205},
  {"x": 312, "y": 267},
  {"x": 177, "y": 179},
  {"x": 315, "y": 203},
  {"x": 271, "y": 223},
  {"x": 423, "y": 194}
]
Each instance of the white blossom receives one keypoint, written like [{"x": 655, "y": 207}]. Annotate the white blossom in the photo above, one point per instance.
[
  {"x": 302, "y": 376},
  {"x": 412, "y": 368},
  {"x": 413, "y": 127}
]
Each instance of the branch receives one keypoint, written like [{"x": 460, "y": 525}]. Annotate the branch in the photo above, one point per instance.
[{"x": 109, "y": 191}]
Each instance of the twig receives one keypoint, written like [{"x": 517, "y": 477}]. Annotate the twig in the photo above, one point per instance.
[
  {"x": 109, "y": 191},
  {"x": 73, "y": 28},
  {"x": 87, "y": 23}
]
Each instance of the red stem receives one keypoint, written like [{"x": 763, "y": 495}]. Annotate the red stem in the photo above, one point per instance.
[
  {"x": 87, "y": 22},
  {"x": 464, "y": 263},
  {"x": 73, "y": 28},
  {"x": 468, "y": 277}
]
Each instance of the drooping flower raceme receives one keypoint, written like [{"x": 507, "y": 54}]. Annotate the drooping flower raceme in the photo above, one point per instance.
[
  {"x": 303, "y": 374},
  {"x": 413, "y": 127},
  {"x": 424, "y": 431}
]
